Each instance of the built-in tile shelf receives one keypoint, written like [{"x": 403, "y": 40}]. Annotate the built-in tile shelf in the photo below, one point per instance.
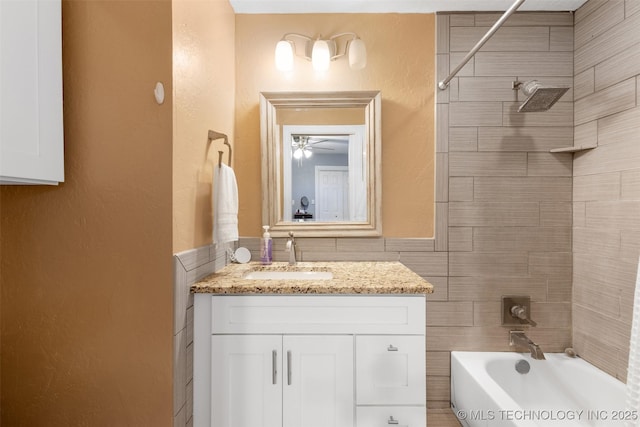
[{"x": 572, "y": 149}]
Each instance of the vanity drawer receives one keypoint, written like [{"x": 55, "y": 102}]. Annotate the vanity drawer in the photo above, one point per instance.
[
  {"x": 390, "y": 370},
  {"x": 391, "y": 416},
  {"x": 386, "y": 314}
]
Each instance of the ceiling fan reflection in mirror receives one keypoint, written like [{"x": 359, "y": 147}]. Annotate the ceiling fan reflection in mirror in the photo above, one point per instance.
[{"x": 303, "y": 145}]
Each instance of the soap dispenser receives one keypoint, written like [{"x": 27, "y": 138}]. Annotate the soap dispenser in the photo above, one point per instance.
[{"x": 266, "y": 246}]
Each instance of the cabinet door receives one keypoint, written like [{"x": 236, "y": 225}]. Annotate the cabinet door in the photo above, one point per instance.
[
  {"x": 318, "y": 381},
  {"x": 31, "y": 129},
  {"x": 390, "y": 370},
  {"x": 246, "y": 381}
]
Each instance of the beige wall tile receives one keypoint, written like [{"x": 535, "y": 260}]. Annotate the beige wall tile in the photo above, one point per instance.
[
  {"x": 579, "y": 214},
  {"x": 453, "y": 89},
  {"x": 463, "y": 139},
  {"x": 630, "y": 245},
  {"x": 559, "y": 289},
  {"x": 597, "y": 299},
  {"x": 514, "y": 239},
  {"x": 551, "y": 314},
  {"x": 492, "y": 288},
  {"x": 524, "y": 63},
  {"x": 372, "y": 244},
  {"x": 618, "y": 68},
  {"x": 561, "y": 114},
  {"x": 611, "y": 100},
  {"x": 619, "y": 127},
  {"x": 475, "y": 114},
  {"x": 561, "y": 39},
  {"x": 482, "y": 338},
  {"x": 597, "y": 353},
  {"x": 604, "y": 242},
  {"x": 556, "y": 264},
  {"x": 442, "y": 224},
  {"x": 442, "y": 177},
  {"x": 630, "y": 185},
  {"x": 442, "y": 128},
  {"x": 605, "y": 272},
  {"x": 549, "y": 164},
  {"x": 483, "y": 89},
  {"x": 620, "y": 156},
  {"x": 487, "y": 313},
  {"x": 493, "y": 214},
  {"x": 449, "y": 313},
  {"x": 487, "y": 164},
  {"x": 442, "y": 33},
  {"x": 588, "y": 8},
  {"x": 586, "y": 135},
  {"x": 321, "y": 244},
  {"x": 442, "y": 71},
  {"x": 584, "y": 83},
  {"x": 438, "y": 363},
  {"x": 611, "y": 332},
  {"x": 426, "y": 264},
  {"x": 408, "y": 245},
  {"x": 438, "y": 388},
  {"x": 618, "y": 39},
  {"x": 555, "y": 214},
  {"x": 526, "y": 19},
  {"x": 524, "y": 138},
  {"x": 455, "y": 59},
  {"x": 505, "y": 39},
  {"x": 602, "y": 186},
  {"x": 462, "y": 20},
  {"x": 528, "y": 189},
  {"x": 440, "y": 288},
  {"x": 312, "y": 255},
  {"x": 194, "y": 258},
  {"x": 598, "y": 22},
  {"x": 460, "y": 239},
  {"x": 631, "y": 7},
  {"x": 460, "y": 189},
  {"x": 475, "y": 265},
  {"x": 621, "y": 215}
]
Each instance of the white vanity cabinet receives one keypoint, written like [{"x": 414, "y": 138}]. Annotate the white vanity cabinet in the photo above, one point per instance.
[
  {"x": 31, "y": 127},
  {"x": 309, "y": 360}
]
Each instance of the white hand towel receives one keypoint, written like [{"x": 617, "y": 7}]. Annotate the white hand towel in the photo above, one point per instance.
[{"x": 225, "y": 205}]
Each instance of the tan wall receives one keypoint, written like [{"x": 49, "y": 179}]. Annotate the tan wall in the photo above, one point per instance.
[
  {"x": 86, "y": 267},
  {"x": 400, "y": 64},
  {"x": 606, "y": 181},
  {"x": 204, "y": 85}
]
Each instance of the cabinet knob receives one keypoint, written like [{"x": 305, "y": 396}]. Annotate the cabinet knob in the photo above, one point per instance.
[
  {"x": 392, "y": 421},
  {"x": 392, "y": 348}
]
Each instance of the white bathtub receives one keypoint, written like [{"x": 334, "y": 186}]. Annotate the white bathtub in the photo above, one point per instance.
[{"x": 486, "y": 390}]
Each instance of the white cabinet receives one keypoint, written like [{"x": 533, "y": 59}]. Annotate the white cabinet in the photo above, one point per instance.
[
  {"x": 31, "y": 127},
  {"x": 309, "y": 361}
]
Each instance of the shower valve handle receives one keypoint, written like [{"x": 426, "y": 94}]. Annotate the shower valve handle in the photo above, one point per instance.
[{"x": 520, "y": 312}]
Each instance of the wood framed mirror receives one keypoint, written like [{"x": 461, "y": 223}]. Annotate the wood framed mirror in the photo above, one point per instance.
[{"x": 323, "y": 148}]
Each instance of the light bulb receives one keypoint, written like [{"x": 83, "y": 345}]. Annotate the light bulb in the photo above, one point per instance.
[
  {"x": 307, "y": 153},
  {"x": 320, "y": 56},
  {"x": 297, "y": 154},
  {"x": 357, "y": 54},
  {"x": 284, "y": 56}
]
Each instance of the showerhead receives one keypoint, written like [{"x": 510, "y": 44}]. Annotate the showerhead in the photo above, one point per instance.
[{"x": 539, "y": 97}]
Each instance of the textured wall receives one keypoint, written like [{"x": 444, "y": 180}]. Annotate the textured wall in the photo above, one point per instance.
[
  {"x": 400, "y": 50},
  {"x": 606, "y": 181},
  {"x": 85, "y": 273},
  {"x": 204, "y": 85}
]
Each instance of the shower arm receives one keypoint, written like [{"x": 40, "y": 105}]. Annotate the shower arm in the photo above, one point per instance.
[{"x": 445, "y": 83}]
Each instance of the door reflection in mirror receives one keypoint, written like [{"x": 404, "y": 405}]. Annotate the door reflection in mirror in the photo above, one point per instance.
[{"x": 327, "y": 165}]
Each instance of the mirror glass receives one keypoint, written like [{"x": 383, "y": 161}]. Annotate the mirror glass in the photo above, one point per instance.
[{"x": 321, "y": 163}]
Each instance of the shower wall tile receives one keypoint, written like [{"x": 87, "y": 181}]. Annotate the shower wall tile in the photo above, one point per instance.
[
  {"x": 490, "y": 214},
  {"x": 485, "y": 89},
  {"x": 460, "y": 189},
  {"x": 442, "y": 128},
  {"x": 631, "y": 7},
  {"x": 438, "y": 363},
  {"x": 560, "y": 115},
  {"x": 586, "y": 134},
  {"x": 611, "y": 100},
  {"x": 547, "y": 164},
  {"x": 619, "y": 215},
  {"x": 617, "y": 68},
  {"x": 515, "y": 189},
  {"x": 561, "y": 39},
  {"x": 598, "y": 187},
  {"x": 525, "y": 20},
  {"x": 587, "y": 8},
  {"x": 442, "y": 177},
  {"x": 620, "y": 156},
  {"x": 408, "y": 245},
  {"x": 455, "y": 59},
  {"x": 618, "y": 127},
  {"x": 579, "y": 214},
  {"x": 450, "y": 313},
  {"x": 630, "y": 185},
  {"x": 492, "y": 288},
  {"x": 540, "y": 64},
  {"x": 505, "y": 39},
  {"x": 442, "y": 71},
  {"x": 462, "y": 20},
  {"x": 555, "y": 214},
  {"x": 475, "y": 114},
  {"x": 442, "y": 224},
  {"x": 528, "y": 139},
  {"x": 488, "y": 164},
  {"x": 517, "y": 239},
  {"x": 460, "y": 239},
  {"x": 598, "y": 22},
  {"x": 463, "y": 139},
  {"x": 481, "y": 264},
  {"x": 442, "y": 33},
  {"x": 616, "y": 40},
  {"x": 373, "y": 244},
  {"x": 584, "y": 83}
]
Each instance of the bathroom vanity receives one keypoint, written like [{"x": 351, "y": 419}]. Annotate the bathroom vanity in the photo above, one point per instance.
[{"x": 344, "y": 350}]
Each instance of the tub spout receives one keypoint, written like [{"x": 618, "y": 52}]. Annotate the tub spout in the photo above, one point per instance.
[{"x": 519, "y": 339}]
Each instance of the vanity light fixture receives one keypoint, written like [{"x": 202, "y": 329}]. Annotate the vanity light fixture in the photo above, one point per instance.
[{"x": 321, "y": 51}]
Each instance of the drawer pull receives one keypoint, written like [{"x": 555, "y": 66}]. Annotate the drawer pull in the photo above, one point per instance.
[
  {"x": 392, "y": 348},
  {"x": 274, "y": 367},
  {"x": 392, "y": 421}
]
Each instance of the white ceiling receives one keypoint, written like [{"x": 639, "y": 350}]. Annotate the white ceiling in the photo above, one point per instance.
[{"x": 396, "y": 6}]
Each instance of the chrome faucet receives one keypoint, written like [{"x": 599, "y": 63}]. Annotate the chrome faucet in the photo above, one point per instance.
[
  {"x": 519, "y": 339},
  {"x": 291, "y": 248}
]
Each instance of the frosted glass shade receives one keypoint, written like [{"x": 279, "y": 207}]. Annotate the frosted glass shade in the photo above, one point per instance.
[
  {"x": 357, "y": 54},
  {"x": 320, "y": 56},
  {"x": 284, "y": 56}
]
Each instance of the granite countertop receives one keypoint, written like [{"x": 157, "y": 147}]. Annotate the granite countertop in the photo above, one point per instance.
[{"x": 348, "y": 278}]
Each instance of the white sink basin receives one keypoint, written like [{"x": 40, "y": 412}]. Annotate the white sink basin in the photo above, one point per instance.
[{"x": 288, "y": 275}]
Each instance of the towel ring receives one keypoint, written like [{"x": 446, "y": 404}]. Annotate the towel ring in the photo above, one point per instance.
[{"x": 213, "y": 135}]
